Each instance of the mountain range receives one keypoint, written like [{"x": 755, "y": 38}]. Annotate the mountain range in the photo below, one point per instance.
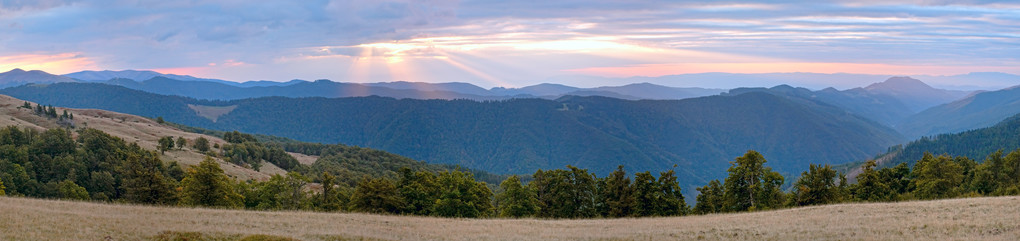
[
  {"x": 698, "y": 135},
  {"x": 644, "y": 126},
  {"x": 221, "y": 90}
]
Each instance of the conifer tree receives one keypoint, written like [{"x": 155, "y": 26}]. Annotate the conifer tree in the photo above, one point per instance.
[
  {"x": 144, "y": 182},
  {"x": 751, "y": 185},
  {"x": 672, "y": 201},
  {"x": 618, "y": 194},
  {"x": 646, "y": 195},
  {"x": 207, "y": 185},
  {"x": 710, "y": 198}
]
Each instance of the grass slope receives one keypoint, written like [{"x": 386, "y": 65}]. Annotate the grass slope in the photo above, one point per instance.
[
  {"x": 995, "y": 218},
  {"x": 131, "y": 128}
]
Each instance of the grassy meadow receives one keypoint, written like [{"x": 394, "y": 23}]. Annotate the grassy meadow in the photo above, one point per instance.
[{"x": 995, "y": 218}]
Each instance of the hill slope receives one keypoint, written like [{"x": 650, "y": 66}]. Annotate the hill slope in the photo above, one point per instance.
[
  {"x": 130, "y": 128},
  {"x": 975, "y": 144},
  {"x": 700, "y": 136},
  {"x": 956, "y": 219},
  {"x": 977, "y": 111}
]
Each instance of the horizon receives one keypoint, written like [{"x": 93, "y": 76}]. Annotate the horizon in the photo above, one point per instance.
[
  {"x": 513, "y": 44},
  {"x": 763, "y": 80}
]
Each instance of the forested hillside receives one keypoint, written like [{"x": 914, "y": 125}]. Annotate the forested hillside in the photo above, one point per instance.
[
  {"x": 974, "y": 144},
  {"x": 977, "y": 111},
  {"x": 698, "y": 136}
]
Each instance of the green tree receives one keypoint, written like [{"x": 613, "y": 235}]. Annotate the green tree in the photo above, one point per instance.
[
  {"x": 181, "y": 143},
  {"x": 165, "y": 143},
  {"x": 201, "y": 144},
  {"x": 160, "y": 120},
  {"x": 710, "y": 198},
  {"x": 419, "y": 190},
  {"x": 280, "y": 192},
  {"x": 516, "y": 200},
  {"x": 376, "y": 195},
  {"x": 752, "y": 186},
  {"x": 461, "y": 196},
  {"x": 998, "y": 175},
  {"x": 207, "y": 185},
  {"x": 329, "y": 199},
  {"x": 617, "y": 194},
  {"x": 144, "y": 182},
  {"x": 2, "y": 187},
  {"x": 671, "y": 201},
  {"x": 646, "y": 194},
  {"x": 870, "y": 186},
  {"x": 936, "y": 177},
  {"x": 70, "y": 190},
  {"x": 817, "y": 186}
]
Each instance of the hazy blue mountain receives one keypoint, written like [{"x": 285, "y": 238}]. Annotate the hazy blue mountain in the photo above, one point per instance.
[
  {"x": 659, "y": 92},
  {"x": 136, "y": 75},
  {"x": 587, "y": 92},
  {"x": 815, "y": 81},
  {"x": 977, "y": 111},
  {"x": 456, "y": 87},
  {"x": 639, "y": 91},
  {"x": 883, "y": 109},
  {"x": 320, "y": 88},
  {"x": 17, "y": 77},
  {"x": 545, "y": 89},
  {"x": 263, "y": 83},
  {"x": 700, "y": 136},
  {"x": 913, "y": 93}
]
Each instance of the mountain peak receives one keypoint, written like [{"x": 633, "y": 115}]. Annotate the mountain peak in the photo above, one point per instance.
[
  {"x": 16, "y": 70},
  {"x": 899, "y": 83}
]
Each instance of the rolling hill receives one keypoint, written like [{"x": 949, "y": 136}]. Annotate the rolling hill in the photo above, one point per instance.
[
  {"x": 143, "y": 131},
  {"x": 17, "y": 77},
  {"x": 700, "y": 135}
]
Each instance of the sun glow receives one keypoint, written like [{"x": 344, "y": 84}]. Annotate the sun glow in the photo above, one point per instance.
[{"x": 55, "y": 64}]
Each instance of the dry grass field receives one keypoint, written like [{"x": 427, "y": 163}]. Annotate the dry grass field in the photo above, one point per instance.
[
  {"x": 131, "y": 128},
  {"x": 996, "y": 218}
]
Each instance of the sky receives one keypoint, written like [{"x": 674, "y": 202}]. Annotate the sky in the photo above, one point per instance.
[{"x": 508, "y": 43}]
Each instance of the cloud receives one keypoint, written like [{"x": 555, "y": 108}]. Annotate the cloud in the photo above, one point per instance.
[{"x": 528, "y": 39}]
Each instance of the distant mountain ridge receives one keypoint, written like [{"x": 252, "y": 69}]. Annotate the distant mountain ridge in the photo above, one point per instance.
[
  {"x": 137, "y": 75},
  {"x": 214, "y": 89},
  {"x": 889, "y": 102},
  {"x": 915, "y": 94},
  {"x": 976, "y": 111},
  {"x": 17, "y": 77}
]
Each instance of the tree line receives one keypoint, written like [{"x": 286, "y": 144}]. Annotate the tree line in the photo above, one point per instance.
[{"x": 99, "y": 167}]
